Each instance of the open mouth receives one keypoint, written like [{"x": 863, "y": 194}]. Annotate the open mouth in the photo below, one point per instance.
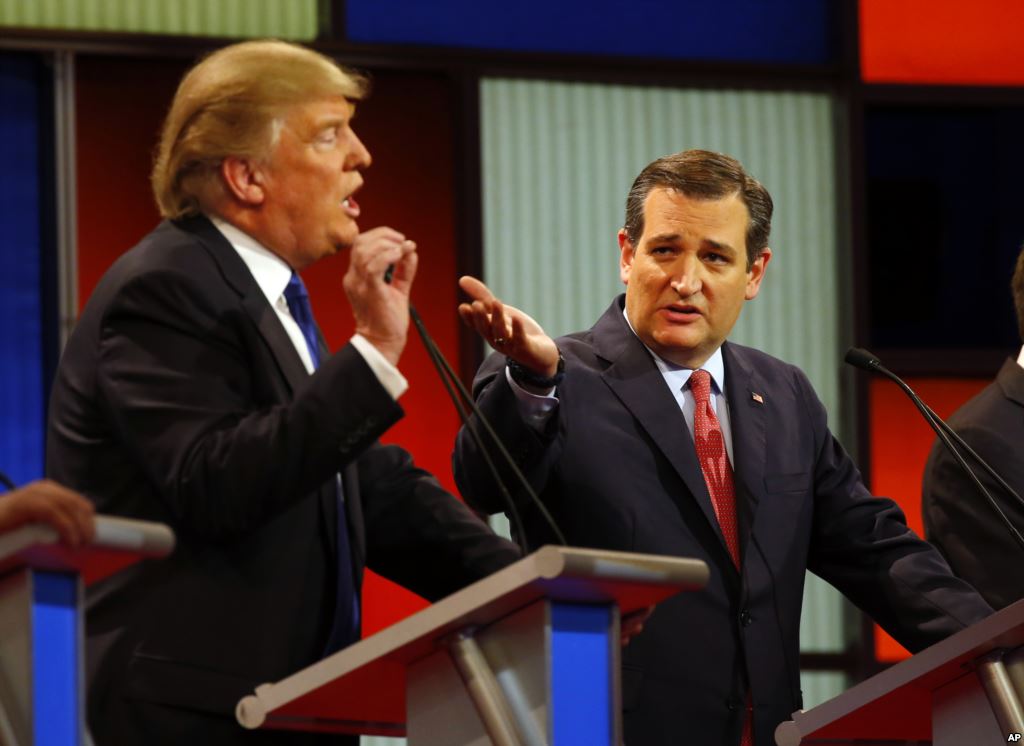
[{"x": 350, "y": 206}]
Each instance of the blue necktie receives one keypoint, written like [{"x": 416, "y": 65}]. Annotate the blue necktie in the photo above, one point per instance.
[
  {"x": 345, "y": 628},
  {"x": 298, "y": 304}
]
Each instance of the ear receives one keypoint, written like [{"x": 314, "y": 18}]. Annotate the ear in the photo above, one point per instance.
[
  {"x": 756, "y": 273},
  {"x": 243, "y": 180},
  {"x": 626, "y": 254}
]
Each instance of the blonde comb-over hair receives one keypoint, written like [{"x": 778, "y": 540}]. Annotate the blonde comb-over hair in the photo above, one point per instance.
[{"x": 232, "y": 103}]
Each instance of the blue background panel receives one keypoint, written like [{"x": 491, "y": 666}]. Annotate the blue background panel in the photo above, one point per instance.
[
  {"x": 794, "y": 31},
  {"x": 55, "y": 641},
  {"x": 581, "y": 663},
  {"x": 21, "y": 333}
]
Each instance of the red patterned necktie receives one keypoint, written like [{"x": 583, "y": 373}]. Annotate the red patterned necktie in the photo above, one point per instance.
[{"x": 714, "y": 462}]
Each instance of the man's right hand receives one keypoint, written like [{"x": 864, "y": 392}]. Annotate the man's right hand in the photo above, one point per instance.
[
  {"x": 45, "y": 501},
  {"x": 507, "y": 329},
  {"x": 381, "y": 309}
]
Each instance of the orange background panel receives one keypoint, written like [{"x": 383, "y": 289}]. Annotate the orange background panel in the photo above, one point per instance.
[
  {"x": 900, "y": 443},
  {"x": 407, "y": 124},
  {"x": 942, "y": 41}
]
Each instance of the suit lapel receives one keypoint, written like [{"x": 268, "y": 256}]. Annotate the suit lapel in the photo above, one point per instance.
[
  {"x": 282, "y": 350},
  {"x": 635, "y": 379},
  {"x": 747, "y": 413},
  {"x": 253, "y": 301}
]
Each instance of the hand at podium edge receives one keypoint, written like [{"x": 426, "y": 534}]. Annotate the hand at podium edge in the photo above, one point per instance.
[{"x": 70, "y": 514}]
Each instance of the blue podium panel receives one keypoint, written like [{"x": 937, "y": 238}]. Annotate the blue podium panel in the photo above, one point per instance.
[
  {"x": 55, "y": 681},
  {"x": 581, "y": 674}
]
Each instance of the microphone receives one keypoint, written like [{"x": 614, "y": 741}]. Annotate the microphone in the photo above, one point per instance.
[
  {"x": 458, "y": 394},
  {"x": 858, "y": 357}
]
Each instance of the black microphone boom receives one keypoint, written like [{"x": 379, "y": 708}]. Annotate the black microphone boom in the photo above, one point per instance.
[{"x": 861, "y": 358}]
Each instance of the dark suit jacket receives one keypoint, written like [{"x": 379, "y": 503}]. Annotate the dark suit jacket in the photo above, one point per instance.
[
  {"x": 957, "y": 518},
  {"x": 618, "y": 470},
  {"x": 180, "y": 398}
]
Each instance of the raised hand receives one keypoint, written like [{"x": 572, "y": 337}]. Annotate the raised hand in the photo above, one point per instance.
[
  {"x": 507, "y": 329},
  {"x": 381, "y": 309}
]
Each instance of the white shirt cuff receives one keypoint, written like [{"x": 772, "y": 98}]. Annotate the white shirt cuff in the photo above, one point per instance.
[
  {"x": 535, "y": 409},
  {"x": 388, "y": 375}
]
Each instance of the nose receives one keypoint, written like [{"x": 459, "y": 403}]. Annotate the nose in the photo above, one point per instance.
[
  {"x": 358, "y": 155},
  {"x": 686, "y": 280}
]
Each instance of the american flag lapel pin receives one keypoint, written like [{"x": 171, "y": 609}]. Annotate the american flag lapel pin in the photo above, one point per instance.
[{"x": 757, "y": 397}]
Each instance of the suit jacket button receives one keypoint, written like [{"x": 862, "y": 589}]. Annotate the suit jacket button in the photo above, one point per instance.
[{"x": 745, "y": 618}]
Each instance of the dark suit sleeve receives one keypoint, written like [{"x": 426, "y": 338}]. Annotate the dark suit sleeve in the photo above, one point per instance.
[
  {"x": 534, "y": 453},
  {"x": 862, "y": 545},
  {"x": 418, "y": 534},
  {"x": 175, "y": 370},
  {"x": 961, "y": 522}
]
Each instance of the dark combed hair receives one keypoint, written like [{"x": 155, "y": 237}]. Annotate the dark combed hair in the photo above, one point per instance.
[{"x": 704, "y": 175}]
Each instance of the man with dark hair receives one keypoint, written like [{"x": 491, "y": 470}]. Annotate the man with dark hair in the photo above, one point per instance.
[
  {"x": 650, "y": 432},
  {"x": 957, "y": 518},
  {"x": 196, "y": 390}
]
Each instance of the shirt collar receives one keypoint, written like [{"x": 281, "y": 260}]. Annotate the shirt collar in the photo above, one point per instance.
[
  {"x": 1020, "y": 358},
  {"x": 677, "y": 376},
  {"x": 270, "y": 271}
]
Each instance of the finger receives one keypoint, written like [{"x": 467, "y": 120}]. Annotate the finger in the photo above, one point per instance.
[
  {"x": 405, "y": 268},
  {"x": 373, "y": 265},
  {"x": 466, "y": 314},
  {"x": 474, "y": 288},
  {"x": 380, "y": 233},
  {"x": 481, "y": 320},
  {"x": 72, "y": 514},
  {"x": 61, "y": 521},
  {"x": 499, "y": 328}
]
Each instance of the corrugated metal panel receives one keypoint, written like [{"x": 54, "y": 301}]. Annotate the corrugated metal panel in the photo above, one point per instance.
[
  {"x": 558, "y": 160},
  {"x": 287, "y": 19},
  {"x": 820, "y": 686}
]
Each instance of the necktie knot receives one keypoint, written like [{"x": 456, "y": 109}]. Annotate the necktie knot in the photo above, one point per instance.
[
  {"x": 700, "y": 385},
  {"x": 295, "y": 291}
]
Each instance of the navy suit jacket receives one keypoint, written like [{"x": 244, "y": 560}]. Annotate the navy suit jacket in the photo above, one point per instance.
[
  {"x": 957, "y": 519},
  {"x": 617, "y": 468},
  {"x": 180, "y": 398}
]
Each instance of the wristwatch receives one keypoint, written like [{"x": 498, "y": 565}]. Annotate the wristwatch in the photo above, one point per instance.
[{"x": 523, "y": 375}]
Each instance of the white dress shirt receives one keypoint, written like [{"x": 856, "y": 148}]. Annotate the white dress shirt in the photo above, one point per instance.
[{"x": 272, "y": 274}]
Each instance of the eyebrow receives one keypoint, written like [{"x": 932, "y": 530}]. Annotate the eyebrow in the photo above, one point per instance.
[{"x": 661, "y": 238}]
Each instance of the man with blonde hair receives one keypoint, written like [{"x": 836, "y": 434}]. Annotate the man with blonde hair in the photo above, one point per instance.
[{"x": 196, "y": 390}]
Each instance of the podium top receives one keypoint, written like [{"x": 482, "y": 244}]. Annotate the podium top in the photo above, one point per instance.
[
  {"x": 361, "y": 689},
  {"x": 896, "y": 704},
  {"x": 119, "y": 542}
]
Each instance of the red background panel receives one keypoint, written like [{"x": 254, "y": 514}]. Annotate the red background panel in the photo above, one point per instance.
[
  {"x": 900, "y": 443},
  {"x": 942, "y": 41},
  {"x": 407, "y": 124}
]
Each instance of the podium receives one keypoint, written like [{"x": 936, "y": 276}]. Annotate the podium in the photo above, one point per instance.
[
  {"x": 41, "y": 594},
  {"x": 529, "y": 655},
  {"x": 967, "y": 689}
]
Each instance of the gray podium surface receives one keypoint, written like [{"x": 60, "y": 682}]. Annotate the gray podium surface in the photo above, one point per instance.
[
  {"x": 966, "y": 689},
  {"x": 41, "y": 593},
  {"x": 363, "y": 688}
]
